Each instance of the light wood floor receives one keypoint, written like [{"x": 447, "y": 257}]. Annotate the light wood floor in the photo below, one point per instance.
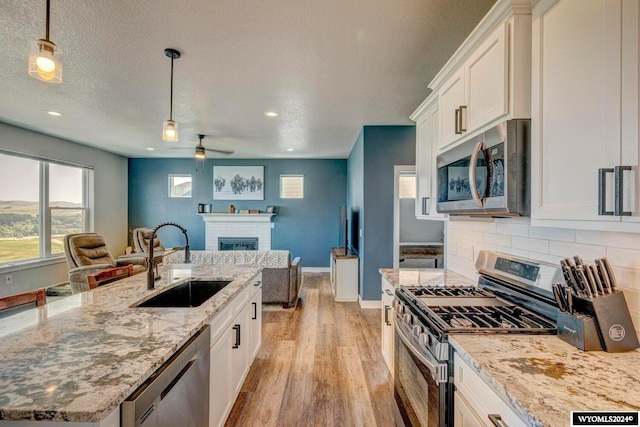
[{"x": 319, "y": 365}]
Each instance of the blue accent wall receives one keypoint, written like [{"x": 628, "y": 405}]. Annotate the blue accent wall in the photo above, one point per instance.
[
  {"x": 307, "y": 227},
  {"x": 380, "y": 147}
]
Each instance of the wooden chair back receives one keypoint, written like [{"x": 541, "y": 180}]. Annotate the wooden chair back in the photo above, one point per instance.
[
  {"x": 37, "y": 297},
  {"x": 108, "y": 276}
]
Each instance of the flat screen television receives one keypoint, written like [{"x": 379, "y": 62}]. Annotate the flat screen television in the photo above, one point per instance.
[
  {"x": 354, "y": 241},
  {"x": 343, "y": 229}
]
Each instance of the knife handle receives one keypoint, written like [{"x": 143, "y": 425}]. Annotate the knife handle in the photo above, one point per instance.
[
  {"x": 583, "y": 281},
  {"x": 568, "y": 277},
  {"x": 596, "y": 279},
  {"x": 591, "y": 280},
  {"x": 604, "y": 276},
  {"x": 610, "y": 273},
  {"x": 578, "y": 260}
]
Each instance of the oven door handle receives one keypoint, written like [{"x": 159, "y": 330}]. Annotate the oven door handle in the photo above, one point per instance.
[
  {"x": 472, "y": 173},
  {"x": 431, "y": 363}
]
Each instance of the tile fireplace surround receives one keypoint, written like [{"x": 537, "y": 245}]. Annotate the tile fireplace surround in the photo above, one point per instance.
[{"x": 237, "y": 225}]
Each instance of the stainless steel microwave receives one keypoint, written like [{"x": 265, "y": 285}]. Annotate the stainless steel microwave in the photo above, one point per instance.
[{"x": 488, "y": 175}]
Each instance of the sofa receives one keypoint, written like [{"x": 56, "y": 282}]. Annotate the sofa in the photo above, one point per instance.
[{"x": 281, "y": 276}]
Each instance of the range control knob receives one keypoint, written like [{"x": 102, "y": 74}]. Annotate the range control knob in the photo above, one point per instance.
[
  {"x": 399, "y": 307},
  {"x": 417, "y": 330},
  {"x": 407, "y": 319},
  {"x": 424, "y": 339}
]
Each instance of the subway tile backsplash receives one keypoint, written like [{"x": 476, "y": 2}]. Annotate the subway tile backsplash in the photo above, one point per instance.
[{"x": 466, "y": 237}]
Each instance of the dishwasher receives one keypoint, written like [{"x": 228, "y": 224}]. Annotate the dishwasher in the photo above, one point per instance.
[{"x": 177, "y": 394}]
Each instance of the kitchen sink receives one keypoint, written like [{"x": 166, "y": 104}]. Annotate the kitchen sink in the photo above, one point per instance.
[{"x": 191, "y": 293}]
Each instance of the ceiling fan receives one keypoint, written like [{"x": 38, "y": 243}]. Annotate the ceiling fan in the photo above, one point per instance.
[{"x": 201, "y": 149}]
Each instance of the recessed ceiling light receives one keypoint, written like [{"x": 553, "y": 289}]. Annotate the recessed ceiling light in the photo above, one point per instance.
[
  {"x": 271, "y": 114},
  {"x": 289, "y": 149},
  {"x": 150, "y": 149},
  {"x": 54, "y": 113}
]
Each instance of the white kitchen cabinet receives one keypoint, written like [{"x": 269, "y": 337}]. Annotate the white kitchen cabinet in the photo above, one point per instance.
[
  {"x": 387, "y": 323},
  {"x": 236, "y": 335},
  {"x": 255, "y": 324},
  {"x": 477, "y": 93},
  {"x": 488, "y": 79},
  {"x": 475, "y": 402},
  {"x": 426, "y": 118},
  {"x": 585, "y": 113},
  {"x": 344, "y": 275}
]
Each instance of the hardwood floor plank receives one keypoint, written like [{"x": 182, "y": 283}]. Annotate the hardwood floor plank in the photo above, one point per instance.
[{"x": 319, "y": 365}]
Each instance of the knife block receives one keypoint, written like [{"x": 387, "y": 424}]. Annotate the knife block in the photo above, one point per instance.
[
  {"x": 612, "y": 320},
  {"x": 579, "y": 330}
]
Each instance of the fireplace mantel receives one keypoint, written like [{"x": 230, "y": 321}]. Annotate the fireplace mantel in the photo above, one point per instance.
[
  {"x": 237, "y": 226},
  {"x": 227, "y": 217}
]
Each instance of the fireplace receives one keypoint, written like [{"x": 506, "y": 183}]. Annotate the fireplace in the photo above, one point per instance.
[{"x": 237, "y": 243}]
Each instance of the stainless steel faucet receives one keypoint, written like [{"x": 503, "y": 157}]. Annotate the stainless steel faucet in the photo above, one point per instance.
[{"x": 151, "y": 277}]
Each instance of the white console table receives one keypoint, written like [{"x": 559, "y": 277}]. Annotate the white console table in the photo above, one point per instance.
[{"x": 344, "y": 275}]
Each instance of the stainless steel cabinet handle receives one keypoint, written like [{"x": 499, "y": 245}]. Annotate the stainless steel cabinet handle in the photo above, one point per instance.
[
  {"x": 619, "y": 185},
  {"x": 389, "y": 292},
  {"x": 462, "y": 107},
  {"x": 457, "y": 118},
  {"x": 237, "y": 329},
  {"x": 497, "y": 421},
  {"x": 602, "y": 191},
  {"x": 472, "y": 173},
  {"x": 386, "y": 315}
]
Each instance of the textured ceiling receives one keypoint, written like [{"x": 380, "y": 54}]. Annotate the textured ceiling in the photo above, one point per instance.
[{"x": 328, "y": 67}]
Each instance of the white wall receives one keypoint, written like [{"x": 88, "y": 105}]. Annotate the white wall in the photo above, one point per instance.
[
  {"x": 110, "y": 191},
  {"x": 465, "y": 238}
]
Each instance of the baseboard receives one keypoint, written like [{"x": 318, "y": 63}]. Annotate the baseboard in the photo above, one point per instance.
[
  {"x": 369, "y": 303},
  {"x": 316, "y": 269}
]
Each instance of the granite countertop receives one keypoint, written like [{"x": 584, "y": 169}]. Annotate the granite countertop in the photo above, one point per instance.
[
  {"x": 425, "y": 277},
  {"x": 543, "y": 378},
  {"x": 78, "y": 358}
]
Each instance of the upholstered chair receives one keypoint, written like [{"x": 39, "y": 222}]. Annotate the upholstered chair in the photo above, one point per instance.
[
  {"x": 87, "y": 253},
  {"x": 141, "y": 237}
]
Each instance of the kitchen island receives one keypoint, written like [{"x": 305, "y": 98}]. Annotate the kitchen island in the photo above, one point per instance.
[
  {"x": 539, "y": 377},
  {"x": 78, "y": 358}
]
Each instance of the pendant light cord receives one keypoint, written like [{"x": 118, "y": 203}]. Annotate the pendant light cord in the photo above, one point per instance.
[
  {"x": 171, "y": 97},
  {"x": 46, "y": 36}
]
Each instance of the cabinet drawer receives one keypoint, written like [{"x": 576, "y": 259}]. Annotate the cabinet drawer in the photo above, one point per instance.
[
  {"x": 481, "y": 398},
  {"x": 221, "y": 322}
]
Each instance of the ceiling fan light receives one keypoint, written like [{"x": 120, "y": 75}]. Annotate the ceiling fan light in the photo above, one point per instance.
[
  {"x": 170, "y": 131},
  {"x": 200, "y": 154},
  {"x": 45, "y": 61}
]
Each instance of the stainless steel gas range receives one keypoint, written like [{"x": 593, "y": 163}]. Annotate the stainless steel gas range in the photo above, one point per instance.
[{"x": 513, "y": 296}]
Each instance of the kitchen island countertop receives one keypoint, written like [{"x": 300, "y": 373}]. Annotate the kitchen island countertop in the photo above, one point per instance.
[
  {"x": 78, "y": 358},
  {"x": 541, "y": 377}
]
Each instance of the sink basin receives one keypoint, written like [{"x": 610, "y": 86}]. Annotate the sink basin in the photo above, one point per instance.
[{"x": 188, "y": 294}]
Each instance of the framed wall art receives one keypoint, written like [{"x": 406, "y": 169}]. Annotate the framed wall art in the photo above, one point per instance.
[{"x": 238, "y": 182}]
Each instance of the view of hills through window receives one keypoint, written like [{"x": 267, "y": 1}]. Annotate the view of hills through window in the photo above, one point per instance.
[{"x": 21, "y": 230}]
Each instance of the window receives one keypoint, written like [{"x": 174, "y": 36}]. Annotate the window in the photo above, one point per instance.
[
  {"x": 179, "y": 185},
  {"x": 291, "y": 186},
  {"x": 45, "y": 201},
  {"x": 407, "y": 185}
]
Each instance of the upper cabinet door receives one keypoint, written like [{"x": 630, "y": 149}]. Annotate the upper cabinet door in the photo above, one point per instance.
[
  {"x": 487, "y": 81},
  {"x": 576, "y": 107},
  {"x": 450, "y": 100}
]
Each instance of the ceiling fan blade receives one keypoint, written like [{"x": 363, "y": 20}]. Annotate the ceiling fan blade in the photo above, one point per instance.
[{"x": 213, "y": 150}]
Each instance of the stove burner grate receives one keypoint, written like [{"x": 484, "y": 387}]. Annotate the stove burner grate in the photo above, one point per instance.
[
  {"x": 509, "y": 318},
  {"x": 447, "y": 291}
]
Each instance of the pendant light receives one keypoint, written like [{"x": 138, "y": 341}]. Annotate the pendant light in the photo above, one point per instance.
[
  {"x": 45, "y": 59},
  {"x": 170, "y": 128}
]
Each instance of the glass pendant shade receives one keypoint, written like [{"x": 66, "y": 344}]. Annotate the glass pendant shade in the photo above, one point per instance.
[
  {"x": 170, "y": 131},
  {"x": 200, "y": 152},
  {"x": 45, "y": 61}
]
